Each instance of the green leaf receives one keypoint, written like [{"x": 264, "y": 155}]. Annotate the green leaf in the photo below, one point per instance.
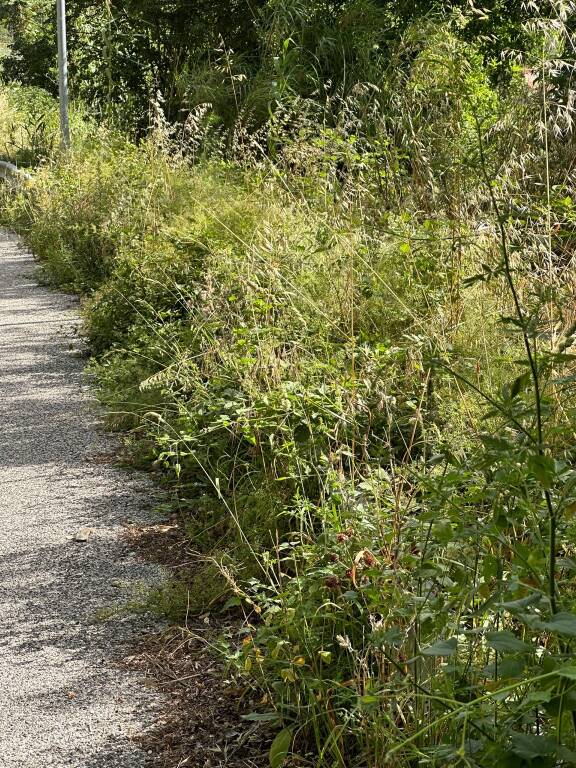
[
  {"x": 509, "y": 320},
  {"x": 519, "y": 384},
  {"x": 469, "y": 281},
  {"x": 490, "y": 567},
  {"x": 561, "y": 624},
  {"x": 392, "y": 636},
  {"x": 568, "y": 671},
  {"x": 441, "y": 648},
  {"x": 233, "y": 602},
  {"x": 538, "y": 697},
  {"x": 442, "y": 531},
  {"x": 566, "y": 702},
  {"x": 508, "y": 668},
  {"x": 280, "y": 748},
  {"x": 528, "y": 746},
  {"x": 523, "y": 602},
  {"x": 565, "y": 754},
  {"x": 368, "y": 700},
  {"x": 506, "y": 642},
  {"x": 543, "y": 468},
  {"x": 495, "y": 444}
]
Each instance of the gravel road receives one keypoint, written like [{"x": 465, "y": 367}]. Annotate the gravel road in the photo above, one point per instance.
[{"x": 64, "y": 701}]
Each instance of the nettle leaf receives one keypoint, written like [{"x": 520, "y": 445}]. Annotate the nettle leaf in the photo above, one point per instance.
[
  {"x": 564, "y": 703},
  {"x": 519, "y": 383},
  {"x": 565, "y": 379},
  {"x": 538, "y": 697},
  {"x": 561, "y": 624},
  {"x": 513, "y": 321},
  {"x": 568, "y": 671},
  {"x": 506, "y": 642},
  {"x": 560, "y": 357},
  {"x": 441, "y": 648},
  {"x": 518, "y": 605},
  {"x": 392, "y": 636},
  {"x": 528, "y": 746},
  {"x": 442, "y": 531},
  {"x": 368, "y": 700},
  {"x": 568, "y": 755},
  {"x": 507, "y": 669},
  {"x": 490, "y": 567},
  {"x": 473, "y": 279},
  {"x": 543, "y": 468},
  {"x": 495, "y": 444},
  {"x": 280, "y": 748}
]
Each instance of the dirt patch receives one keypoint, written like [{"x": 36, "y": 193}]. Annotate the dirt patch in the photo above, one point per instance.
[{"x": 202, "y": 726}]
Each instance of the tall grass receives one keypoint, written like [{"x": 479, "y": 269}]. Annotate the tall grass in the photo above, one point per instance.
[{"x": 349, "y": 352}]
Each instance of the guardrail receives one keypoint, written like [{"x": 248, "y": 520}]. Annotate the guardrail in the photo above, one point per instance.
[{"x": 11, "y": 171}]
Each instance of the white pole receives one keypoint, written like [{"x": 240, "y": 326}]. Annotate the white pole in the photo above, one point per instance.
[{"x": 63, "y": 71}]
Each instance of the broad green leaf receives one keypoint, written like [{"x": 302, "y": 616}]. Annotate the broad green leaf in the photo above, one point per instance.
[
  {"x": 561, "y": 624},
  {"x": 568, "y": 671},
  {"x": 442, "y": 531},
  {"x": 232, "y": 603},
  {"x": 392, "y": 636},
  {"x": 280, "y": 748},
  {"x": 567, "y": 755},
  {"x": 441, "y": 648},
  {"x": 564, "y": 703},
  {"x": 490, "y": 567},
  {"x": 368, "y": 700},
  {"x": 495, "y": 444},
  {"x": 538, "y": 697},
  {"x": 506, "y": 642},
  {"x": 518, "y": 384},
  {"x": 523, "y": 602},
  {"x": 529, "y": 746},
  {"x": 508, "y": 668},
  {"x": 543, "y": 468}
]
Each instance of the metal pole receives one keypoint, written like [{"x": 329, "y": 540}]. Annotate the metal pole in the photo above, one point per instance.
[{"x": 63, "y": 72}]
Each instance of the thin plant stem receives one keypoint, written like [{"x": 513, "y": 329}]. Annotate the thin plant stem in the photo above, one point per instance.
[{"x": 531, "y": 355}]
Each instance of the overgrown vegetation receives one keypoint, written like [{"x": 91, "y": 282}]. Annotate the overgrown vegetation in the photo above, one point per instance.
[
  {"x": 344, "y": 332},
  {"x": 239, "y": 57}
]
